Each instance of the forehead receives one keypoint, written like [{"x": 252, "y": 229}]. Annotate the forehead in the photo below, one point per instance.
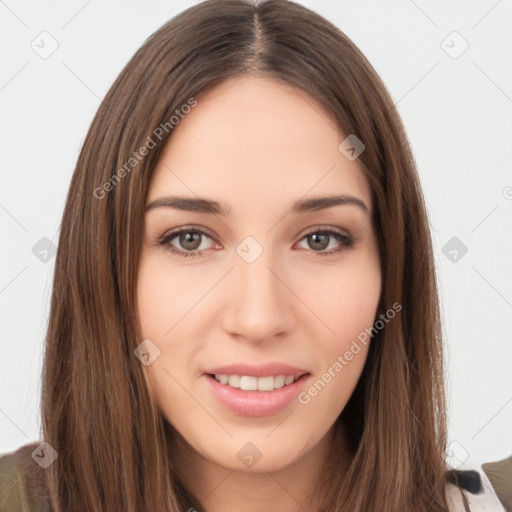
[{"x": 254, "y": 137}]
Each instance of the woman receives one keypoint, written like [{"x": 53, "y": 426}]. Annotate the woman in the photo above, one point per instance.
[{"x": 245, "y": 307}]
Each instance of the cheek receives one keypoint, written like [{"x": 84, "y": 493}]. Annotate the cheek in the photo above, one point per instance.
[
  {"x": 341, "y": 359},
  {"x": 150, "y": 302},
  {"x": 165, "y": 306},
  {"x": 343, "y": 299},
  {"x": 346, "y": 300},
  {"x": 164, "y": 296},
  {"x": 348, "y": 307}
]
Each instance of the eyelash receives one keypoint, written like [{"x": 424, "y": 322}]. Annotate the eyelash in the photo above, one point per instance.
[{"x": 346, "y": 241}]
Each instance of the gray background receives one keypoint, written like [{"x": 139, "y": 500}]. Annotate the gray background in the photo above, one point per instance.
[{"x": 456, "y": 106}]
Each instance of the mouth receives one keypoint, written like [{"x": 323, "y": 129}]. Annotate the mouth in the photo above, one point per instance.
[
  {"x": 249, "y": 395},
  {"x": 253, "y": 383}
]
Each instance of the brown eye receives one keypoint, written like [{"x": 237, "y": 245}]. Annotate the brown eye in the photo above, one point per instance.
[
  {"x": 188, "y": 241},
  {"x": 320, "y": 240}
]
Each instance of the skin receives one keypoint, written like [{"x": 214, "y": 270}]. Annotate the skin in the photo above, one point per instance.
[{"x": 258, "y": 145}]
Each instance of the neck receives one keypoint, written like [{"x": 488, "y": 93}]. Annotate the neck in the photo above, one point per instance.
[{"x": 295, "y": 488}]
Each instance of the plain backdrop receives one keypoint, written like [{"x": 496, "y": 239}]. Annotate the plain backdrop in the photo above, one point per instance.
[{"x": 446, "y": 64}]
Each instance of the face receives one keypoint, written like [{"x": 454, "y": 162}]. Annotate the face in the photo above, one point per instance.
[{"x": 265, "y": 293}]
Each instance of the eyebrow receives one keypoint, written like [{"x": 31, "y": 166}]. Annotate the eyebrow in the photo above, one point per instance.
[{"x": 209, "y": 206}]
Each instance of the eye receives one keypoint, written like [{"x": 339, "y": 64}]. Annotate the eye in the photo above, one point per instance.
[
  {"x": 320, "y": 239},
  {"x": 188, "y": 238},
  {"x": 190, "y": 241}
]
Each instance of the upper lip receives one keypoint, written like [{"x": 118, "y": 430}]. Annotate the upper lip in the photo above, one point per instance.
[{"x": 264, "y": 370}]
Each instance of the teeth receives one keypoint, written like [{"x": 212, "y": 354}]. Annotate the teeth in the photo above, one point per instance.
[
  {"x": 234, "y": 381},
  {"x": 249, "y": 383},
  {"x": 279, "y": 381}
]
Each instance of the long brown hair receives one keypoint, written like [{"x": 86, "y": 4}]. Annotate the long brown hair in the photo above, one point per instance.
[{"x": 96, "y": 409}]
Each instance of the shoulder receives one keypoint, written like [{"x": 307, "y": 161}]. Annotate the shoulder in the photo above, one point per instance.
[
  {"x": 486, "y": 490},
  {"x": 23, "y": 481}
]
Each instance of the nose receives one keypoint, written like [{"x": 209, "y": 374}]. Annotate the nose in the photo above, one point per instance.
[{"x": 259, "y": 305}]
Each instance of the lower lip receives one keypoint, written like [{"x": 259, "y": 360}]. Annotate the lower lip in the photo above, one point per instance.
[{"x": 256, "y": 403}]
